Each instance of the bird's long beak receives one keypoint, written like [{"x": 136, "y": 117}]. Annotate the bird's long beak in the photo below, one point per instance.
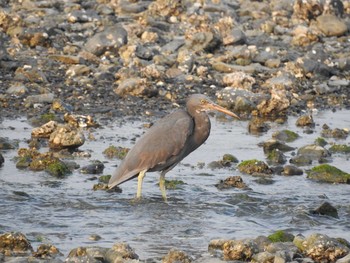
[{"x": 213, "y": 106}]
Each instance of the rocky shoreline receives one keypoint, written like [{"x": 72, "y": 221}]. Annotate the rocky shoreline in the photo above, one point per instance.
[
  {"x": 112, "y": 59},
  {"x": 278, "y": 247}
]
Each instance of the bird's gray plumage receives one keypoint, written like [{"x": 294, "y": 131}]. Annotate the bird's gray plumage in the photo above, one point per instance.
[{"x": 167, "y": 142}]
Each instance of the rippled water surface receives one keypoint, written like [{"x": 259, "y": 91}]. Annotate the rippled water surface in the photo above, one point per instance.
[{"x": 66, "y": 212}]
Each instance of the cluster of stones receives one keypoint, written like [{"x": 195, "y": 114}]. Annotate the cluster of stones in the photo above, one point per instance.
[
  {"x": 258, "y": 57},
  {"x": 278, "y": 247}
]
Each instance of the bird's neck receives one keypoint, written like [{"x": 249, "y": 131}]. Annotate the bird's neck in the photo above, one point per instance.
[{"x": 202, "y": 127}]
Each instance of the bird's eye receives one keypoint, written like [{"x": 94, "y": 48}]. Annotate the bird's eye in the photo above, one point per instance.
[{"x": 203, "y": 101}]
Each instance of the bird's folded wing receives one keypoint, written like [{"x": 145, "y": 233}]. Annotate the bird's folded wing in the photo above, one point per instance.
[{"x": 160, "y": 144}]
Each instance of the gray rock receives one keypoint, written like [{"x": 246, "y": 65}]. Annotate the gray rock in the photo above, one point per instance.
[
  {"x": 111, "y": 39},
  {"x": 331, "y": 25},
  {"x": 237, "y": 37},
  {"x": 314, "y": 152},
  {"x": 206, "y": 41},
  {"x": 239, "y": 100},
  {"x": 345, "y": 259},
  {"x": 273, "y": 144},
  {"x": 326, "y": 209},
  {"x": 292, "y": 170},
  {"x": 96, "y": 167},
  {"x": 39, "y": 99},
  {"x": 2, "y": 160},
  {"x": 121, "y": 252},
  {"x": 66, "y": 136},
  {"x": 7, "y": 144},
  {"x": 321, "y": 248},
  {"x": 17, "y": 89}
]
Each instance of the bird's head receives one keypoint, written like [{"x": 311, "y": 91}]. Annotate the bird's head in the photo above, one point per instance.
[{"x": 200, "y": 103}]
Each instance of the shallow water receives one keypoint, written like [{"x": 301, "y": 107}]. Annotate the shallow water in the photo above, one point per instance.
[{"x": 65, "y": 212}]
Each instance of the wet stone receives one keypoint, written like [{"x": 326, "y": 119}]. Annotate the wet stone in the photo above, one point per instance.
[
  {"x": 96, "y": 167},
  {"x": 273, "y": 144},
  {"x": 240, "y": 249},
  {"x": 232, "y": 182},
  {"x": 321, "y": 248},
  {"x": 7, "y": 144},
  {"x": 328, "y": 174},
  {"x": 176, "y": 256},
  {"x": 258, "y": 125},
  {"x": 15, "y": 244},
  {"x": 326, "y": 209},
  {"x": 276, "y": 157},
  {"x": 289, "y": 170},
  {"x": 120, "y": 252},
  {"x": 2, "y": 160},
  {"x": 45, "y": 130},
  {"x": 66, "y": 136},
  {"x": 337, "y": 133},
  {"x": 254, "y": 167},
  {"x": 305, "y": 120},
  {"x": 313, "y": 152},
  {"x": 285, "y": 135}
]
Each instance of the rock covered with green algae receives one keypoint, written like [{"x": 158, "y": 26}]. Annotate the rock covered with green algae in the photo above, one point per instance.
[
  {"x": 116, "y": 152},
  {"x": 339, "y": 148},
  {"x": 281, "y": 236},
  {"x": 285, "y": 135},
  {"x": 254, "y": 167},
  {"x": 328, "y": 174}
]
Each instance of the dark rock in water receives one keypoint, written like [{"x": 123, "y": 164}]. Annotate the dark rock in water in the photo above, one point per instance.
[
  {"x": 321, "y": 248},
  {"x": 6, "y": 144},
  {"x": 285, "y": 135},
  {"x": 336, "y": 133},
  {"x": 326, "y": 209},
  {"x": 95, "y": 168},
  {"x": 58, "y": 169},
  {"x": 2, "y": 160},
  {"x": 292, "y": 170},
  {"x": 15, "y": 244},
  {"x": 116, "y": 152},
  {"x": 111, "y": 39},
  {"x": 176, "y": 256},
  {"x": 273, "y": 144},
  {"x": 226, "y": 161},
  {"x": 231, "y": 182},
  {"x": 328, "y": 174},
  {"x": 301, "y": 160},
  {"x": 276, "y": 157},
  {"x": 321, "y": 142},
  {"x": 258, "y": 125}
]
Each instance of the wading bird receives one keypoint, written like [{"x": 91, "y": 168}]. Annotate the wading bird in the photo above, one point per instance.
[{"x": 167, "y": 142}]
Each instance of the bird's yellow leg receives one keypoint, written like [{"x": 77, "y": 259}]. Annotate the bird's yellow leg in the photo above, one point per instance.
[
  {"x": 162, "y": 185},
  {"x": 139, "y": 183}
]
